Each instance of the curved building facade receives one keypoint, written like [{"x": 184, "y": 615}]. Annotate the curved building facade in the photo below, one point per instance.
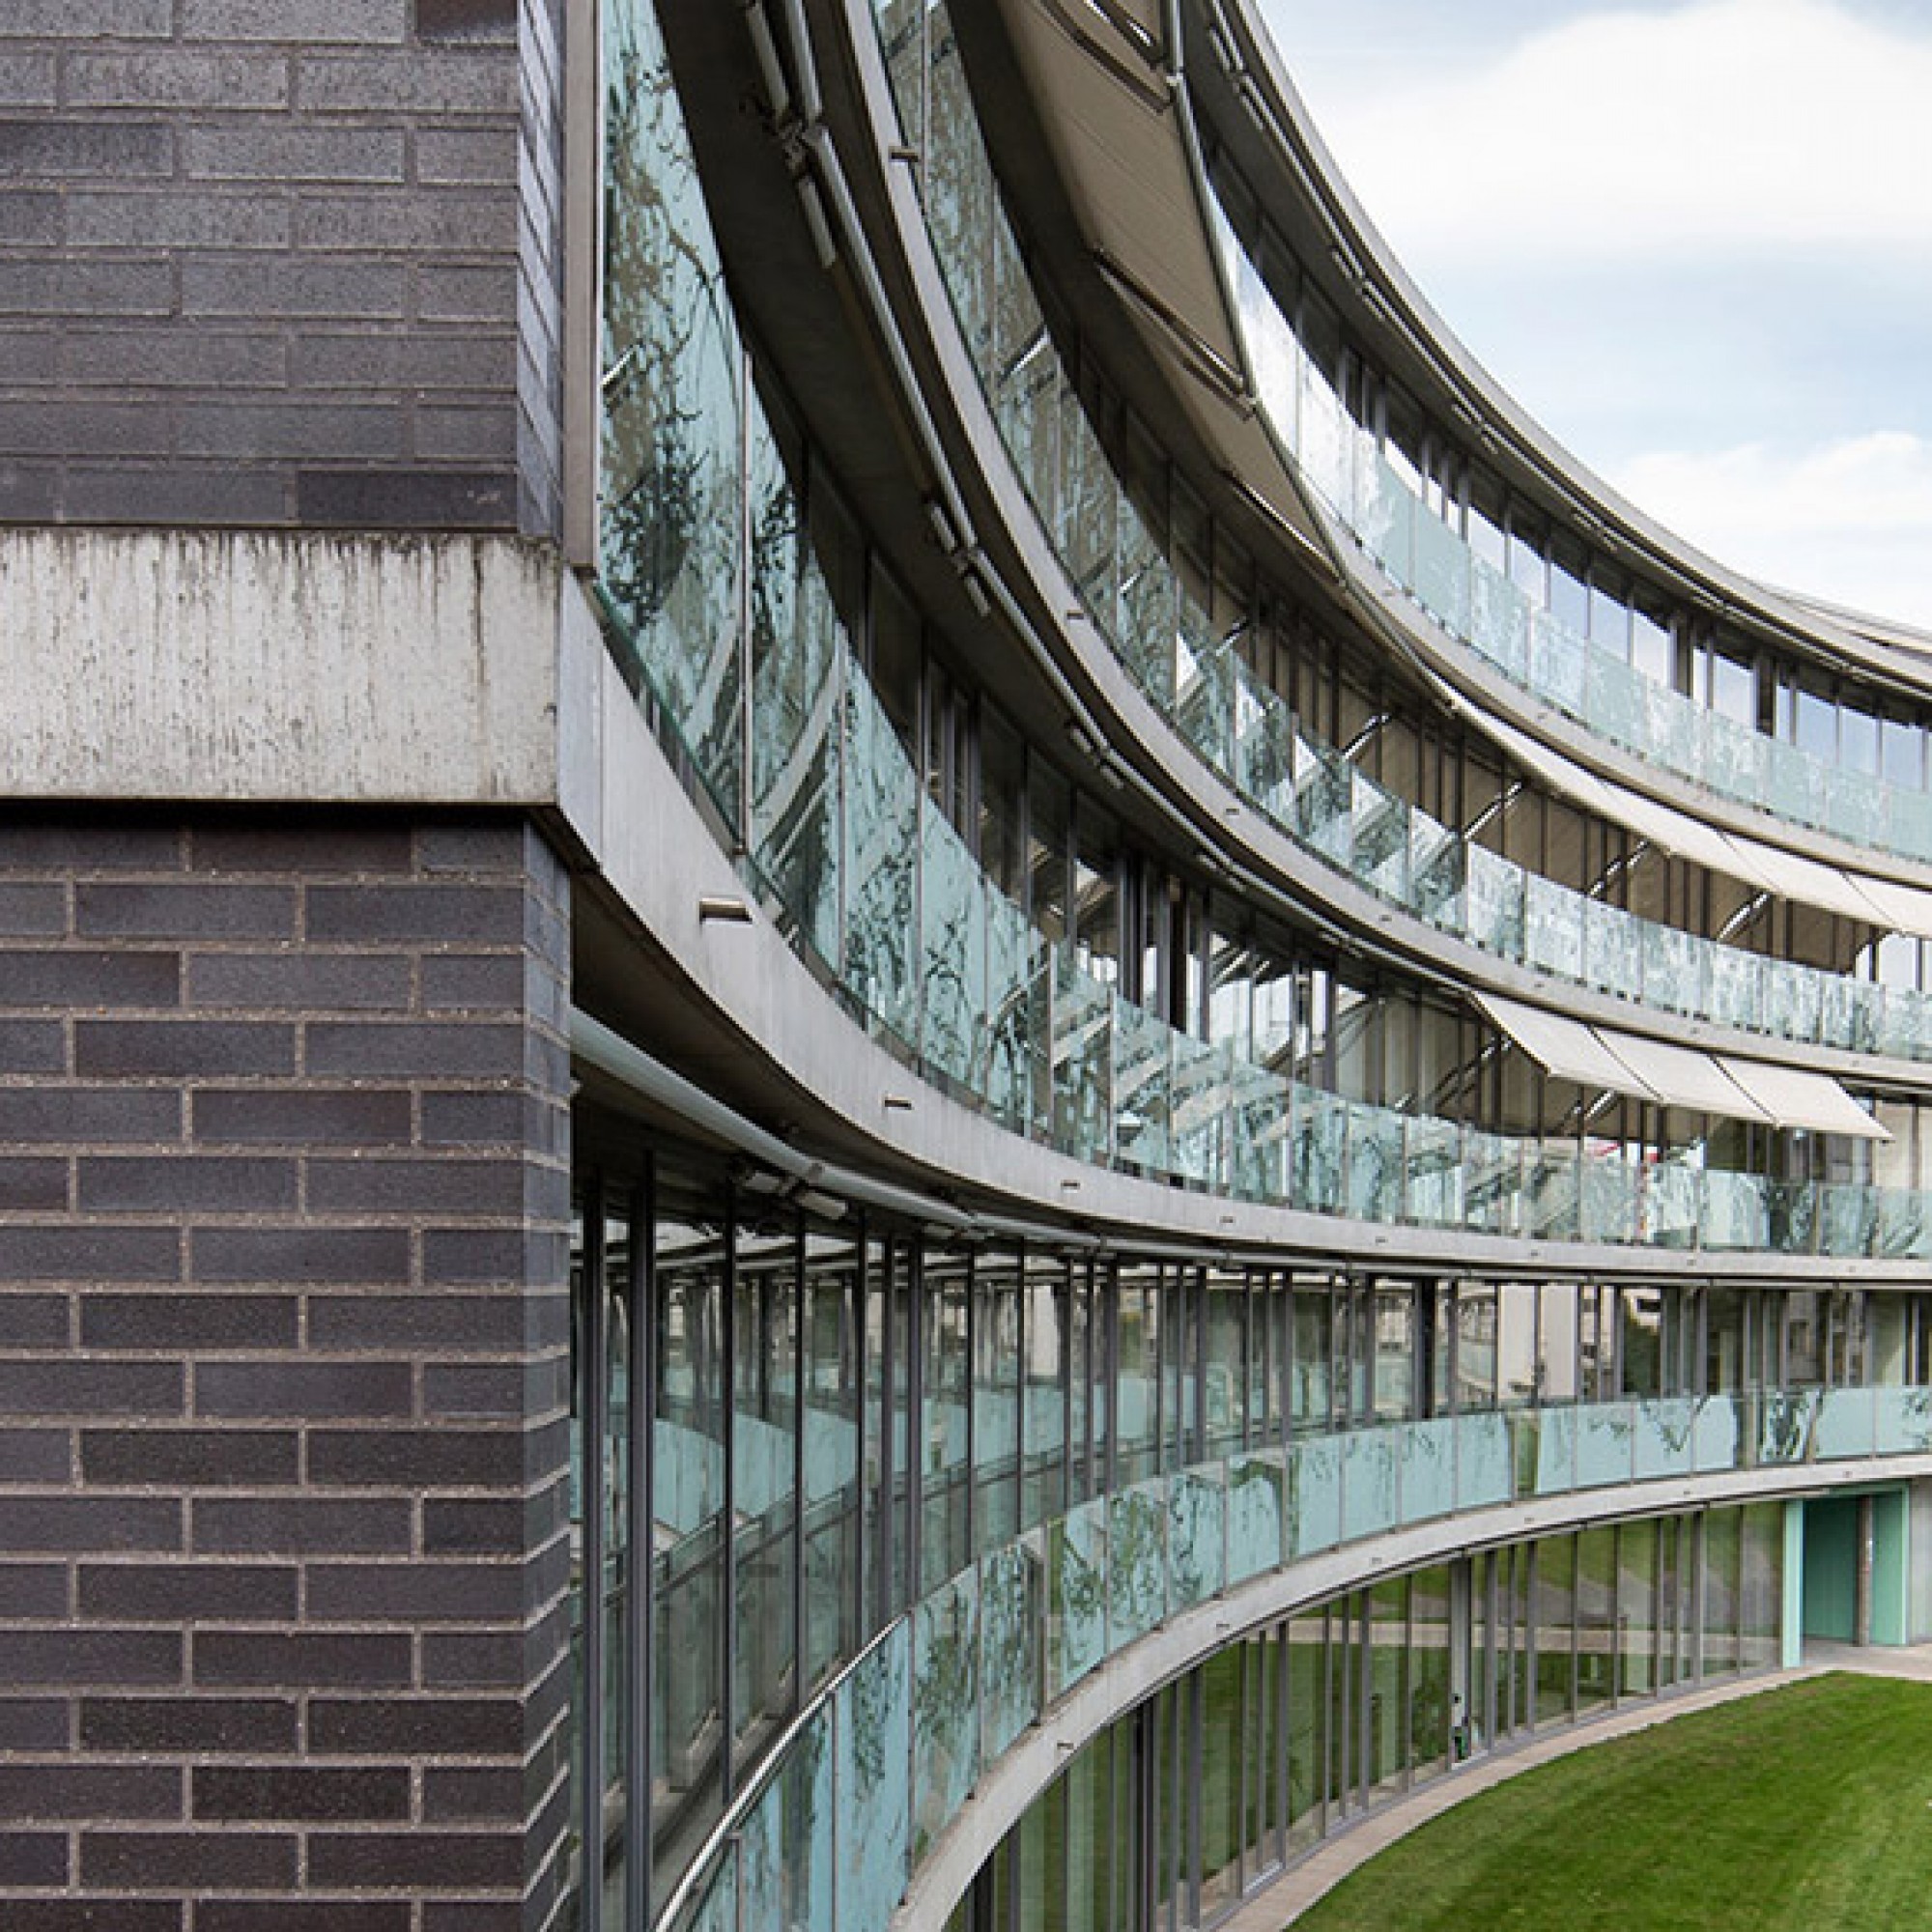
[{"x": 888, "y": 1037}]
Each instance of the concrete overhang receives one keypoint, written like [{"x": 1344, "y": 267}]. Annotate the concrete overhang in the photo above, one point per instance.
[{"x": 258, "y": 666}]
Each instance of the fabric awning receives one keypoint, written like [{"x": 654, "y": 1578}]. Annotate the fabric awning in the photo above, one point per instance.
[
  {"x": 1795, "y": 1098},
  {"x": 1564, "y": 1047},
  {"x": 1681, "y": 1076}
]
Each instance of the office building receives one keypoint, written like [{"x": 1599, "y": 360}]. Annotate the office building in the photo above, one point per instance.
[{"x": 888, "y": 1037}]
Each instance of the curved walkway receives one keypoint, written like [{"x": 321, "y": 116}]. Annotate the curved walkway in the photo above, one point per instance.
[{"x": 1282, "y": 1903}]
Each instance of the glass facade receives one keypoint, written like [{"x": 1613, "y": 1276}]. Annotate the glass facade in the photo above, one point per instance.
[
  {"x": 902, "y": 1492},
  {"x": 857, "y": 1502},
  {"x": 1303, "y": 1725}
]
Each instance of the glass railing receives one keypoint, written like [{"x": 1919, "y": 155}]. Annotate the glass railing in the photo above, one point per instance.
[
  {"x": 1154, "y": 619},
  {"x": 780, "y": 733},
  {"x": 841, "y": 1818},
  {"x": 1479, "y": 604},
  {"x": 943, "y": 965}
]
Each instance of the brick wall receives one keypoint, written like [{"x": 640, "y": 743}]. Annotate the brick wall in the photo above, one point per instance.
[
  {"x": 264, "y": 262},
  {"x": 283, "y": 1346}
]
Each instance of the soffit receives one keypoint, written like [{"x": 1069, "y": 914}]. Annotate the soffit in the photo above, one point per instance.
[{"x": 1107, "y": 108}]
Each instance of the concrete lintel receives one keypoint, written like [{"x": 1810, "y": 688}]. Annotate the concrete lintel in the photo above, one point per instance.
[{"x": 277, "y": 666}]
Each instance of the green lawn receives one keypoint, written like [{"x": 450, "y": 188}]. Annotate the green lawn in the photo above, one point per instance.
[{"x": 1805, "y": 1809}]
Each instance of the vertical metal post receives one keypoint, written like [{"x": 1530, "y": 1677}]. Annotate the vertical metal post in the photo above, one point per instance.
[
  {"x": 728, "y": 1609},
  {"x": 639, "y": 1605},
  {"x": 591, "y": 1389},
  {"x": 1861, "y": 1617}
]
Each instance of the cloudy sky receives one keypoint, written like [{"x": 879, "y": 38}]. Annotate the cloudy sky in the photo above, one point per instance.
[{"x": 1693, "y": 237}]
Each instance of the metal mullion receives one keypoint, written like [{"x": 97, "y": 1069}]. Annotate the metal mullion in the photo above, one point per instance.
[
  {"x": 856, "y": 1315},
  {"x": 728, "y": 1342},
  {"x": 1022, "y": 1391},
  {"x": 639, "y": 1605},
  {"x": 799, "y": 1343},
  {"x": 970, "y": 1475},
  {"x": 915, "y": 1415},
  {"x": 591, "y": 1373}
]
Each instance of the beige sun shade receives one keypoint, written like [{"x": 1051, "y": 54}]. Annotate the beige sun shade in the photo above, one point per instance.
[{"x": 1795, "y": 1098}]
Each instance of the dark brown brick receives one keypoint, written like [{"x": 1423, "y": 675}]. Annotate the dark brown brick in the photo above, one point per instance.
[
  {"x": 188, "y": 1725},
  {"x": 306, "y": 1914},
  {"x": 89, "y": 1116},
  {"x": 75, "y": 977},
  {"x": 301, "y": 1526},
  {"x": 179, "y": 1049},
  {"x": 422, "y": 499},
  {"x": 34, "y": 1321},
  {"x": 32, "y": 1186},
  {"x": 458, "y": 1255},
  {"x": 35, "y": 1455},
  {"x": 478, "y": 846},
  {"x": 191, "y": 1320},
  {"x": 308, "y": 1389},
  {"x": 475, "y": 1526},
  {"x": 43, "y": 1659},
  {"x": 421, "y": 1049},
  {"x": 94, "y": 1915},
  {"x": 302, "y": 981},
  {"x": 33, "y": 912},
  {"x": 95, "y": 1252},
  {"x": 33, "y": 1046},
  {"x": 486, "y": 1914},
  {"x": 32, "y": 1590},
  {"x": 275, "y": 1255},
  {"x": 414, "y": 1593},
  {"x": 204, "y": 1860},
  {"x": 402, "y": 1186},
  {"x": 189, "y": 1592},
  {"x": 464, "y": 982},
  {"x": 418, "y": 1727},
  {"x": 466, "y": 19},
  {"x": 33, "y": 1859},
  {"x": 415, "y": 1459},
  {"x": 306, "y": 1660},
  {"x": 302, "y": 844},
  {"x": 65, "y": 1790},
  {"x": 417, "y": 915},
  {"x": 476, "y": 1794},
  {"x": 348, "y": 1116},
  {"x": 268, "y": 1793},
  {"x": 35, "y": 1724},
  {"x": 90, "y": 1388},
  {"x": 477, "y": 1323},
  {"x": 187, "y": 1184},
  {"x": 84, "y": 1523},
  {"x": 184, "y": 911},
  {"x": 468, "y": 1120},
  {"x": 474, "y": 1660},
  {"x": 84, "y": 842},
  {"x": 421, "y": 1860},
  {"x": 483, "y": 1388},
  {"x": 203, "y": 1456}
]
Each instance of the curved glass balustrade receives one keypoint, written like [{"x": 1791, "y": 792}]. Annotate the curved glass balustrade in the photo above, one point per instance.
[
  {"x": 1475, "y": 601},
  {"x": 1184, "y": 658},
  {"x": 779, "y": 726},
  {"x": 838, "y": 1821}
]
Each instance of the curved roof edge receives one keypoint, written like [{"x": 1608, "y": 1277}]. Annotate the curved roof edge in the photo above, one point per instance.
[{"x": 1387, "y": 304}]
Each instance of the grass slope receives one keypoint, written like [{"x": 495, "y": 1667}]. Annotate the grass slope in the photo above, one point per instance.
[{"x": 1805, "y": 1809}]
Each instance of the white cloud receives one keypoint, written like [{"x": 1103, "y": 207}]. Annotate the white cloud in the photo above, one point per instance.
[
  {"x": 1728, "y": 124},
  {"x": 1850, "y": 521}
]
